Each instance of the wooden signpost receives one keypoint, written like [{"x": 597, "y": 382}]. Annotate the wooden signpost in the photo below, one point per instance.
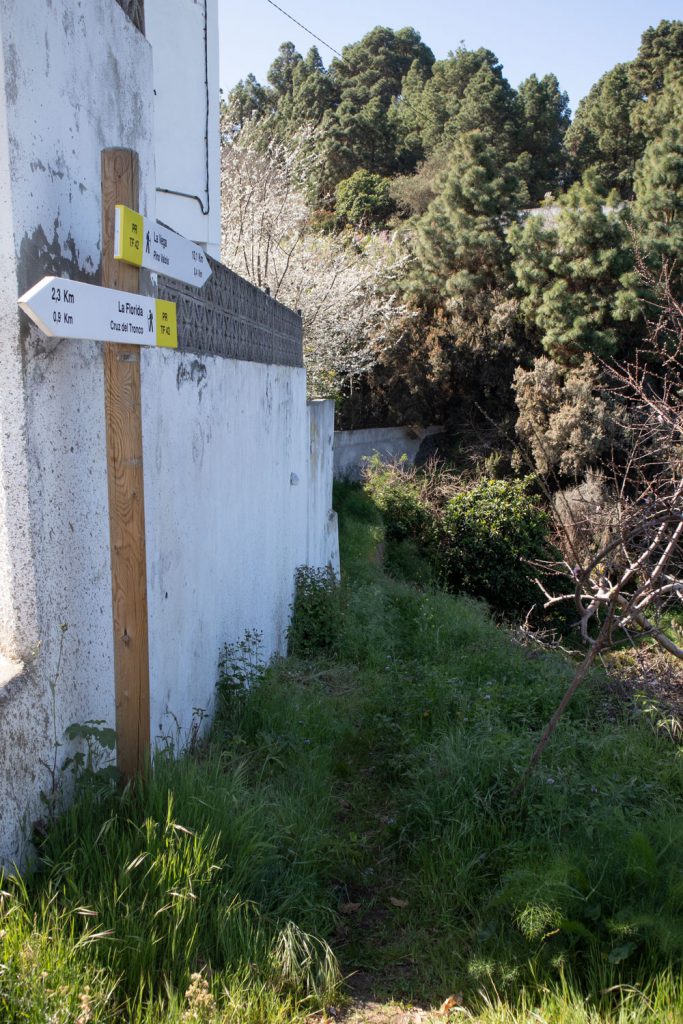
[
  {"x": 125, "y": 320},
  {"x": 123, "y": 418}
]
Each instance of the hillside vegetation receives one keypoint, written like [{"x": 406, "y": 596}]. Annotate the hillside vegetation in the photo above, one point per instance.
[
  {"x": 355, "y": 814},
  {"x": 387, "y": 197}
]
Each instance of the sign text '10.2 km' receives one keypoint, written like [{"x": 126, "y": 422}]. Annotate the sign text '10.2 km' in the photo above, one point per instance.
[{"x": 145, "y": 243}]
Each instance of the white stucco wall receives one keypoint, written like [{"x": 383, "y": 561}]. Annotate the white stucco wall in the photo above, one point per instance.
[
  {"x": 237, "y": 472},
  {"x": 184, "y": 39},
  {"x": 323, "y": 535},
  {"x": 225, "y": 455},
  {"x": 238, "y": 489},
  {"x": 77, "y": 78}
]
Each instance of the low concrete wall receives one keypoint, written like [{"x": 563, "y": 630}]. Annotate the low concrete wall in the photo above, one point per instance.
[{"x": 351, "y": 447}]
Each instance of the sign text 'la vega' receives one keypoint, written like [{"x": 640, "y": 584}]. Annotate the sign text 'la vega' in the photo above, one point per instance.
[{"x": 146, "y": 243}]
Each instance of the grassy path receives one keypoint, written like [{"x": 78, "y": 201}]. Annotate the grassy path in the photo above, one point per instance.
[{"x": 355, "y": 816}]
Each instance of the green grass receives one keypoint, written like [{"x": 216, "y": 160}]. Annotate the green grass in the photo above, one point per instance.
[{"x": 356, "y": 810}]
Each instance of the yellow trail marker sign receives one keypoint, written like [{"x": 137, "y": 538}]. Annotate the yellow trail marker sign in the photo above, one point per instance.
[
  {"x": 72, "y": 309},
  {"x": 146, "y": 243},
  {"x": 129, "y": 236}
]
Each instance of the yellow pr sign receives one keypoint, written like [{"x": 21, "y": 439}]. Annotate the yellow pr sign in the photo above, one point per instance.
[
  {"x": 167, "y": 326},
  {"x": 129, "y": 236}
]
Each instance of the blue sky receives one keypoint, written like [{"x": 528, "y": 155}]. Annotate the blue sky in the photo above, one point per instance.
[{"x": 578, "y": 41}]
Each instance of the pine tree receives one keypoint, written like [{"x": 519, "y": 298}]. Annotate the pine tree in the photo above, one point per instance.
[
  {"x": 360, "y": 133},
  {"x": 312, "y": 93},
  {"x": 489, "y": 105},
  {"x": 434, "y": 100},
  {"x": 603, "y": 136},
  {"x": 460, "y": 242},
  {"x": 661, "y": 48},
  {"x": 573, "y": 266},
  {"x": 246, "y": 100},
  {"x": 658, "y": 207},
  {"x": 407, "y": 117},
  {"x": 281, "y": 71},
  {"x": 545, "y": 118},
  {"x": 660, "y": 108},
  {"x": 627, "y": 108}
]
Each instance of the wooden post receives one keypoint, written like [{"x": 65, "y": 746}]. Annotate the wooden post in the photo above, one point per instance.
[{"x": 120, "y": 184}]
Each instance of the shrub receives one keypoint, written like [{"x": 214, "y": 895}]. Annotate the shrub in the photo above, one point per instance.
[
  {"x": 316, "y": 612},
  {"x": 583, "y": 517},
  {"x": 240, "y": 666},
  {"x": 566, "y": 418},
  {"x": 493, "y": 532},
  {"x": 364, "y": 199},
  {"x": 397, "y": 491}
]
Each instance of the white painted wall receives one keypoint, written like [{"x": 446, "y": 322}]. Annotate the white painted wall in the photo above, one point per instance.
[
  {"x": 351, "y": 447},
  {"x": 226, "y": 526},
  {"x": 228, "y": 446},
  {"x": 77, "y": 78},
  {"x": 323, "y": 535},
  {"x": 184, "y": 38}
]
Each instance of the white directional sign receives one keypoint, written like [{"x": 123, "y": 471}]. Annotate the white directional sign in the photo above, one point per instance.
[
  {"x": 71, "y": 309},
  {"x": 145, "y": 243}
]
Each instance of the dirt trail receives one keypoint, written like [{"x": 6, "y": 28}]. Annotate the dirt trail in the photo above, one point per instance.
[{"x": 363, "y": 1009}]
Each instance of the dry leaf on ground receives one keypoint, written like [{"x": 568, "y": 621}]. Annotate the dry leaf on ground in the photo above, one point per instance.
[{"x": 450, "y": 1003}]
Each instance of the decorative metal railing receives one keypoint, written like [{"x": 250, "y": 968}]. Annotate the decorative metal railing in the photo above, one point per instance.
[{"x": 228, "y": 316}]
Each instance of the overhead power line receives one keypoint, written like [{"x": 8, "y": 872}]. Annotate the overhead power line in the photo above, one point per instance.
[
  {"x": 287, "y": 15},
  {"x": 425, "y": 116}
]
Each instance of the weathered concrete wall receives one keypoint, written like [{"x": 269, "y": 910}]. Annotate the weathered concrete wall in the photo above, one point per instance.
[
  {"x": 227, "y": 444},
  {"x": 226, "y": 455},
  {"x": 323, "y": 536},
  {"x": 76, "y": 79},
  {"x": 351, "y": 447}
]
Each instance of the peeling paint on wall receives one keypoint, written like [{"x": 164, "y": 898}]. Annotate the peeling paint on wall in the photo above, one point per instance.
[
  {"x": 40, "y": 257},
  {"x": 194, "y": 372}
]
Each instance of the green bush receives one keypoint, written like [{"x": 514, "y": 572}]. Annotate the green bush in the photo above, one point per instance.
[
  {"x": 397, "y": 492},
  {"x": 492, "y": 533},
  {"x": 364, "y": 199},
  {"x": 316, "y": 618},
  {"x": 481, "y": 539}
]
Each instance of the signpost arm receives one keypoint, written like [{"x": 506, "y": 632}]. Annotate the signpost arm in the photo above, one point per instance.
[{"x": 120, "y": 184}]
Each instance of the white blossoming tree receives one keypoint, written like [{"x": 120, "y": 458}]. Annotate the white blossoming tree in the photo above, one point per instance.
[{"x": 343, "y": 284}]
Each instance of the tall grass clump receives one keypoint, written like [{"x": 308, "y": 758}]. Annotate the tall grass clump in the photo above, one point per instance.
[{"x": 195, "y": 869}]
